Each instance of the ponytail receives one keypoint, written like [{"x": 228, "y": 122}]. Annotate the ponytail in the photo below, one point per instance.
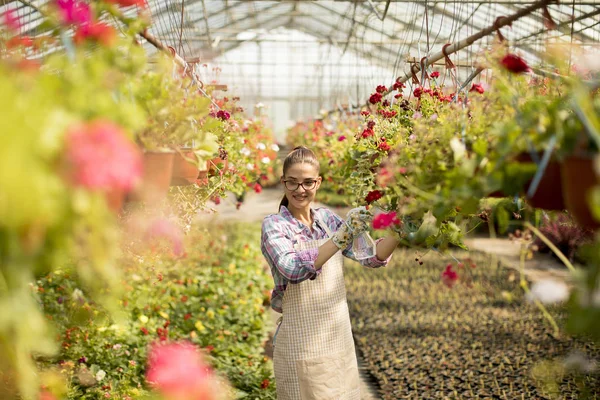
[
  {"x": 284, "y": 202},
  {"x": 300, "y": 154}
]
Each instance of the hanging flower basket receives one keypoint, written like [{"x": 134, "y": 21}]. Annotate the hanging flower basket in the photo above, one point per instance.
[
  {"x": 158, "y": 169},
  {"x": 578, "y": 178},
  {"x": 185, "y": 172}
]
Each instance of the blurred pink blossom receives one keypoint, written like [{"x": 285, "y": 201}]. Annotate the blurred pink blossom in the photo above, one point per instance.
[
  {"x": 101, "y": 157},
  {"x": 385, "y": 220},
  {"x": 74, "y": 12},
  {"x": 449, "y": 276},
  {"x": 178, "y": 371},
  {"x": 11, "y": 20},
  {"x": 162, "y": 228}
]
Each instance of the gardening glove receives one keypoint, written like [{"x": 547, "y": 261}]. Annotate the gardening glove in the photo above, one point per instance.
[{"x": 357, "y": 221}]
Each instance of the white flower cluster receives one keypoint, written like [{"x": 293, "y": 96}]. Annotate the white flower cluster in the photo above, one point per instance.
[{"x": 548, "y": 291}]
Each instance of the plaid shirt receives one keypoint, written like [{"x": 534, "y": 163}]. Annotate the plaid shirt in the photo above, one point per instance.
[{"x": 280, "y": 232}]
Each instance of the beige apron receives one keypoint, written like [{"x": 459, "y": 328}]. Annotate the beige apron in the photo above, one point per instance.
[{"x": 314, "y": 357}]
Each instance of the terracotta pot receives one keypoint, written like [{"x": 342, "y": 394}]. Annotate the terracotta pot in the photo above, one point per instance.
[
  {"x": 215, "y": 165},
  {"x": 184, "y": 171},
  {"x": 578, "y": 178},
  {"x": 158, "y": 169},
  {"x": 115, "y": 199},
  {"x": 549, "y": 193}
]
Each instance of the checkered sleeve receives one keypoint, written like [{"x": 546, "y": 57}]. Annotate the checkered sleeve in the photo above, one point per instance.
[
  {"x": 278, "y": 248},
  {"x": 334, "y": 222}
]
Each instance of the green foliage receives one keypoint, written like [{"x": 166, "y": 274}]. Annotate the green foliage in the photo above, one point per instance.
[{"x": 215, "y": 297}]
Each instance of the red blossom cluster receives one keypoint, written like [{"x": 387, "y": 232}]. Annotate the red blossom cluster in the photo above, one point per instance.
[
  {"x": 370, "y": 124},
  {"x": 367, "y": 133},
  {"x": 387, "y": 114},
  {"x": 257, "y": 188},
  {"x": 384, "y": 146},
  {"x": 514, "y": 64},
  {"x": 418, "y": 92},
  {"x": 398, "y": 95},
  {"x": 365, "y": 113},
  {"x": 435, "y": 74},
  {"x": 449, "y": 276},
  {"x": 381, "y": 89},
  {"x": 373, "y": 195},
  {"x": 385, "y": 220},
  {"x": 477, "y": 87},
  {"x": 223, "y": 115},
  {"x": 341, "y": 138},
  {"x": 398, "y": 85},
  {"x": 375, "y": 98}
]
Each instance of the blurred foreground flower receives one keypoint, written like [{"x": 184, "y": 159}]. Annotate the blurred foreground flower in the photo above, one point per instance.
[
  {"x": 515, "y": 64},
  {"x": 164, "y": 229},
  {"x": 101, "y": 157},
  {"x": 178, "y": 372},
  {"x": 385, "y": 220},
  {"x": 548, "y": 291},
  {"x": 449, "y": 276}
]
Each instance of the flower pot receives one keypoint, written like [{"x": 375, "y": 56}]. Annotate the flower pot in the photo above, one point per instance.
[
  {"x": 185, "y": 172},
  {"x": 216, "y": 166},
  {"x": 115, "y": 199},
  {"x": 578, "y": 178},
  {"x": 549, "y": 193},
  {"x": 158, "y": 169}
]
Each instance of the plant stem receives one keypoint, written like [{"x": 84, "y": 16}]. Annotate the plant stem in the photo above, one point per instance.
[
  {"x": 551, "y": 245},
  {"x": 523, "y": 284}
]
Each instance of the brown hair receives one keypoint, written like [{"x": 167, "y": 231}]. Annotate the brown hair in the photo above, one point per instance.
[{"x": 300, "y": 154}]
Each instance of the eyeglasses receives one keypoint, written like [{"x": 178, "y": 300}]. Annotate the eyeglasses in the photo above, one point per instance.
[{"x": 307, "y": 185}]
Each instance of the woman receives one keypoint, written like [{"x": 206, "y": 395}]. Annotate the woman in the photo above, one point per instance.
[{"x": 314, "y": 355}]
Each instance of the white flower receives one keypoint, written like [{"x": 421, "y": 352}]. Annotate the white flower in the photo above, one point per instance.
[
  {"x": 579, "y": 361},
  {"x": 77, "y": 294},
  {"x": 249, "y": 166},
  {"x": 117, "y": 346},
  {"x": 266, "y": 160},
  {"x": 100, "y": 375},
  {"x": 245, "y": 151},
  {"x": 274, "y": 147},
  {"x": 548, "y": 291},
  {"x": 143, "y": 319},
  {"x": 261, "y": 146},
  {"x": 259, "y": 105}
]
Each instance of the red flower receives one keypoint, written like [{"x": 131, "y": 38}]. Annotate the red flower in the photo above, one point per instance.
[
  {"x": 128, "y": 3},
  {"x": 97, "y": 32},
  {"x": 367, "y": 133},
  {"x": 373, "y": 196},
  {"x": 11, "y": 20},
  {"x": 435, "y": 74},
  {"x": 341, "y": 138},
  {"x": 515, "y": 64},
  {"x": 386, "y": 103},
  {"x": 385, "y": 220},
  {"x": 101, "y": 157},
  {"x": 375, "y": 98},
  {"x": 449, "y": 276},
  {"x": 19, "y": 41},
  {"x": 398, "y": 85},
  {"x": 418, "y": 92},
  {"x": 365, "y": 113},
  {"x": 184, "y": 299},
  {"x": 381, "y": 89},
  {"x": 371, "y": 124},
  {"x": 223, "y": 115},
  {"x": 265, "y": 384},
  {"x": 178, "y": 371},
  {"x": 187, "y": 316},
  {"x": 209, "y": 348},
  {"x": 383, "y": 146},
  {"x": 144, "y": 330},
  {"x": 477, "y": 88},
  {"x": 398, "y": 95},
  {"x": 257, "y": 188}
]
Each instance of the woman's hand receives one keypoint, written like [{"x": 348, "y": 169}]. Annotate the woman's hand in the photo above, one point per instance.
[{"x": 357, "y": 221}]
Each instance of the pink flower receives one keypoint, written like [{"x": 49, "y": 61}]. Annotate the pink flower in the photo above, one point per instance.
[
  {"x": 515, "y": 64},
  {"x": 178, "y": 371},
  {"x": 164, "y": 229},
  {"x": 341, "y": 138},
  {"x": 101, "y": 157},
  {"x": 257, "y": 188},
  {"x": 74, "y": 12},
  {"x": 11, "y": 20},
  {"x": 449, "y": 276},
  {"x": 477, "y": 87},
  {"x": 129, "y": 3},
  {"x": 435, "y": 74},
  {"x": 385, "y": 220},
  {"x": 375, "y": 98}
]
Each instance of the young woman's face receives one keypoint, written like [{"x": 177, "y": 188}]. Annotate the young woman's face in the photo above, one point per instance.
[{"x": 300, "y": 196}]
